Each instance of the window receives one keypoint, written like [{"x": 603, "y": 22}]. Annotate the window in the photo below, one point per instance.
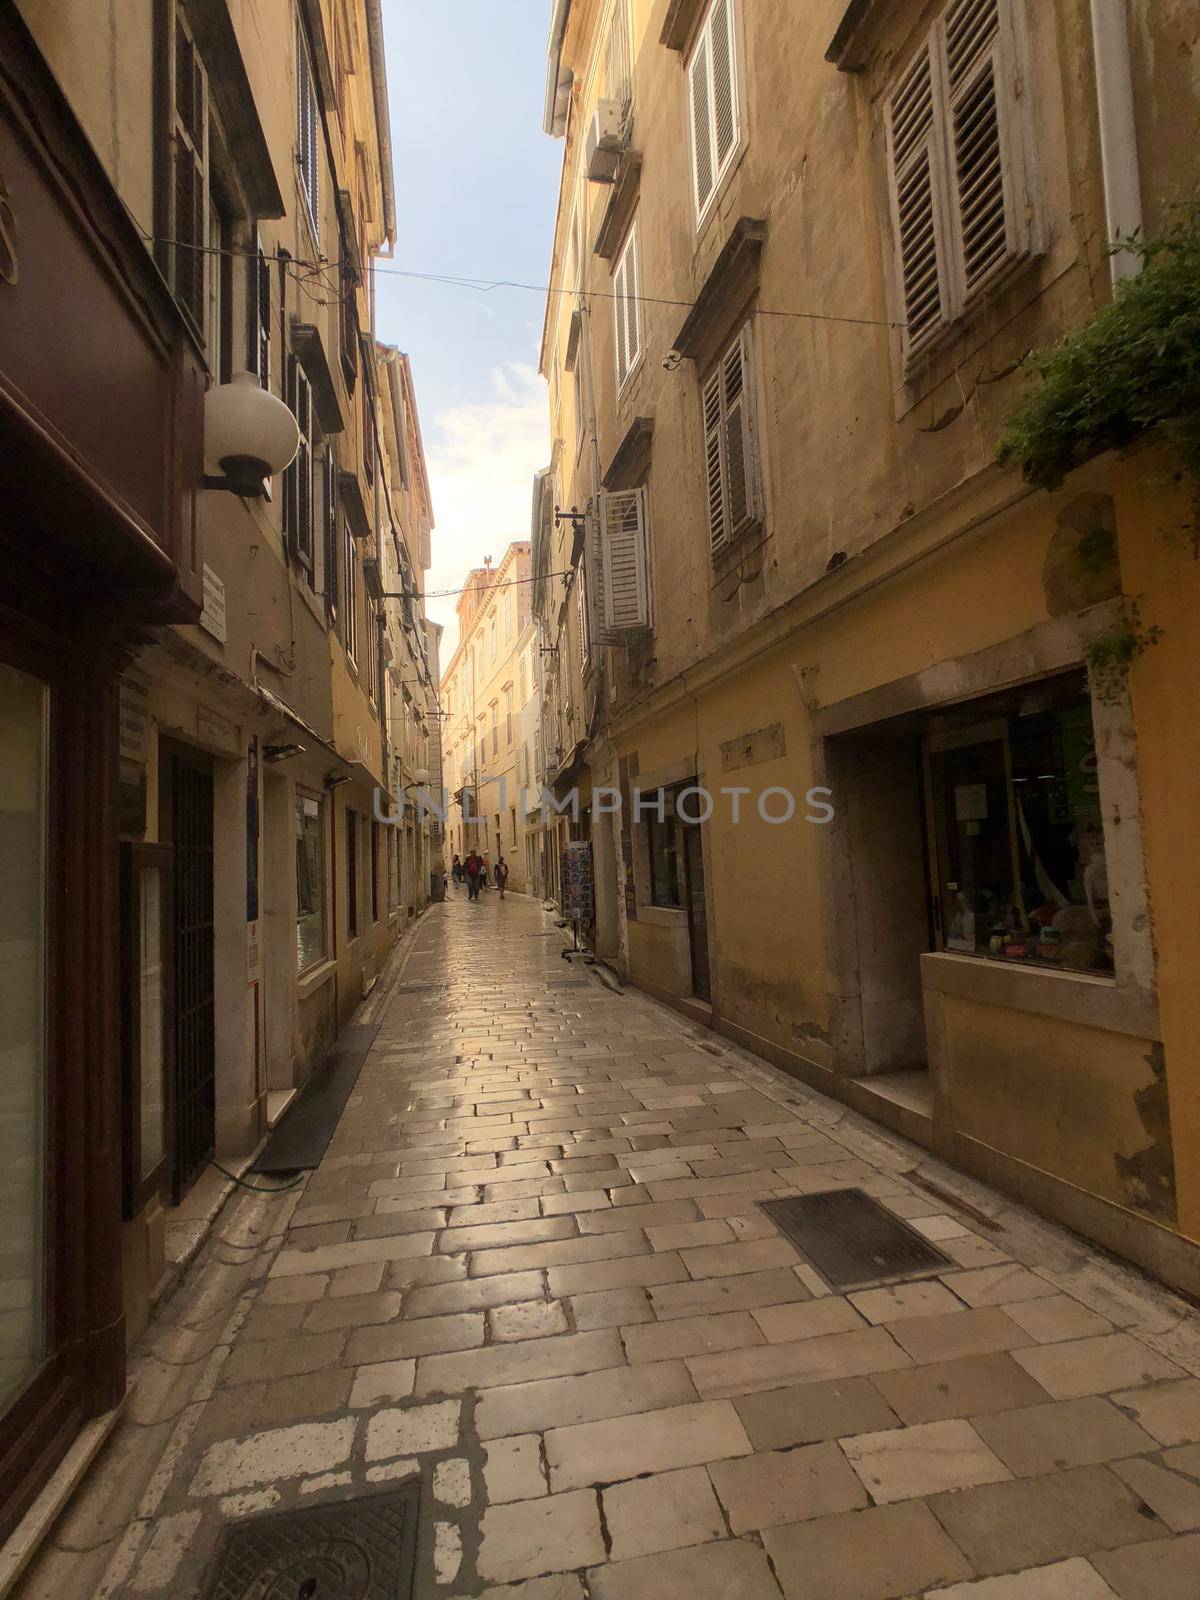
[
  {"x": 730, "y": 445},
  {"x": 368, "y": 435},
  {"x": 1017, "y": 828},
  {"x": 350, "y": 591},
  {"x": 310, "y": 880},
  {"x": 348, "y": 316},
  {"x": 352, "y": 874},
  {"x": 508, "y": 718},
  {"x": 374, "y": 871},
  {"x": 522, "y": 680},
  {"x": 308, "y": 141},
  {"x": 372, "y": 650},
  {"x": 626, "y": 309},
  {"x": 219, "y": 327},
  {"x": 258, "y": 314},
  {"x": 624, "y": 555},
  {"x": 584, "y": 619},
  {"x": 185, "y": 186},
  {"x": 713, "y": 96},
  {"x": 393, "y": 855},
  {"x": 961, "y": 192},
  {"x": 330, "y": 527},
  {"x": 618, "y": 74},
  {"x": 662, "y": 838},
  {"x": 512, "y": 823},
  {"x": 298, "y": 510},
  {"x": 495, "y": 730},
  {"x": 507, "y": 615},
  {"x": 577, "y": 392}
]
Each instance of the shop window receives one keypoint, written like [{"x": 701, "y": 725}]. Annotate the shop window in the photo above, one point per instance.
[
  {"x": 663, "y": 842},
  {"x": 1017, "y": 831},
  {"x": 310, "y": 881}
]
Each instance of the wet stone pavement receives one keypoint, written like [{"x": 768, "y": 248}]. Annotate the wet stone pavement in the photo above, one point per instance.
[{"x": 531, "y": 1270}]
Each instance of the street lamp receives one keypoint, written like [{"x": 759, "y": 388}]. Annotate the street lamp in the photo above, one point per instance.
[{"x": 249, "y": 433}]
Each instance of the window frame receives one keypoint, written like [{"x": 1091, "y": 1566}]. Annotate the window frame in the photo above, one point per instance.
[
  {"x": 299, "y": 505},
  {"x": 350, "y": 637},
  {"x": 353, "y": 926}
]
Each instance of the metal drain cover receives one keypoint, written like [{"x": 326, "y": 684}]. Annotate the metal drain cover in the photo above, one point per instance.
[
  {"x": 852, "y": 1240},
  {"x": 353, "y": 1550}
]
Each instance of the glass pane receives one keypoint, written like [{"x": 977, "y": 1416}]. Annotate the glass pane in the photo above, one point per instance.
[
  {"x": 151, "y": 1044},
  {"x": 23, "y": 716},
  {"x": 1020, "y": 834},
  {"x": 310, "y": 882}
]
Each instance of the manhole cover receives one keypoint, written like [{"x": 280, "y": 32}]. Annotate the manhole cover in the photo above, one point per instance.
[
  {"x": 355, "y": 1550},
  {"x": 852, "y": 1240}
]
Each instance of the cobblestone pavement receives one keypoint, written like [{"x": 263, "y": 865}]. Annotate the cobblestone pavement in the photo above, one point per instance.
[{"x": 531, "y": 1269}]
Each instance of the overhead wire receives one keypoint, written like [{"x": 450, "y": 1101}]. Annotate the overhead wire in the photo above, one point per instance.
[{"x": 316, "y": 269}]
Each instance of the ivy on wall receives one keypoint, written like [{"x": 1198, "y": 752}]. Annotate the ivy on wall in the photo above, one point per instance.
[{"x": 1133, "y": 368}]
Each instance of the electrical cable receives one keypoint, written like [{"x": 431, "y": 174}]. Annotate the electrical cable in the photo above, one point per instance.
[
  {"x": 313, "y": 269},
  {"x": 256, "y": 1188}
]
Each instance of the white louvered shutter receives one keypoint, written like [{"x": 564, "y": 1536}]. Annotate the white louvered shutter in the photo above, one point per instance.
[
  {"x": 714, "y": 463},
  {"x": 626, "y": 589},
  {"x": 724, "y": 79},
  {"x": 989, "y": 227},
  {"x": 914, "y": 159},
  {"x": 627, "y": 320},
  {"x": 703, "y": 173}
]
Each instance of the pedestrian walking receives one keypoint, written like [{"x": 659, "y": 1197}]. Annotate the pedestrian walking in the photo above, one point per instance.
[
  {"x": 456, "y": 869},
  {"x": 501, "y": 874},
  {"x": 472, "y": 868},
  {"x": 485, "y": 869}
]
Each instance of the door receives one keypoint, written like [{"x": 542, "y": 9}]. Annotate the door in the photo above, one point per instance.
[
  {"x": 697, "y": 913},
  {"x": 194, "y": 1096}
]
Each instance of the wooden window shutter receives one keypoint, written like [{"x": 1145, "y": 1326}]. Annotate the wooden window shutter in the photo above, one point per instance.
[
  {"x": 618, "y": 74},
  {"x": 331, "y": 529},
  {"x": 258, "y": 316},
  {"x": 741, "y": 446},
  {"x": 627, "y": 321},
  {"x": 189, "y": 177},
  {"x": 623, "y": 547},
  {"x": 703, "y": 175},
  {"x": 913, "y": 158},
  {"x": 307, "y": 132},
  {"x": 724, "y": 82},
  {"x": 990, "y": 230},
  {"x": 714, "y": 463},
  {"x": 305, "y": 515},
  {"x": 291, "y": 476}
]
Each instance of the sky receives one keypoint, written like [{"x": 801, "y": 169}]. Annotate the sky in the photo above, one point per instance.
[{"x": 476, "y": 188}]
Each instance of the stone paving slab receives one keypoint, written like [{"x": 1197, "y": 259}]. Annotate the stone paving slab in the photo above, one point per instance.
[{"x": 531, "y": 1271}]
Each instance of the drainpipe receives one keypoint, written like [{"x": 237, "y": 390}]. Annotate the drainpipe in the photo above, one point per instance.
[{"x": 1118, "y": 131}]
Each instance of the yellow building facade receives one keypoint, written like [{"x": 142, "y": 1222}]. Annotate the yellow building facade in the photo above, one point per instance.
[
  {"x": 489, "y": 710},
  {"x": 883, "y": 817}
]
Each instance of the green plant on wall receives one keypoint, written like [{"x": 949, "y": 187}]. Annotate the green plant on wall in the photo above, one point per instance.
[
  {"x": 1111, "y": 653},
  {"x": 1134, "y": 368}
]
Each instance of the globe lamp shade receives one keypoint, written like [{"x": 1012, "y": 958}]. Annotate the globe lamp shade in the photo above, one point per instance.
[{"x": 248, "y": 433}]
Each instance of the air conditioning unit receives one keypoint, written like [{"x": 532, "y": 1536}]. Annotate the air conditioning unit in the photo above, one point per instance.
[{"x": 605, "y": 141}]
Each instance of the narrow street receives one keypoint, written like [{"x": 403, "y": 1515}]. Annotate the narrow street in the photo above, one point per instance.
[{"x": 531, "y": 1269}]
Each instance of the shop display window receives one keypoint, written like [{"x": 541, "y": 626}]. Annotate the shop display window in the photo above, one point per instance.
[
  {"x": 310, "y": 881},
  {"x": 1017, "y": 835}
]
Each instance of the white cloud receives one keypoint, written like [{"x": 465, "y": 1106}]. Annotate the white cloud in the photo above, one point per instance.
[{"x": 481, "y": 465}]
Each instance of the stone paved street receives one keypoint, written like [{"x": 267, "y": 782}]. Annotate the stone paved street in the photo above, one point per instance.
[{"x": 532, "y": 1270}]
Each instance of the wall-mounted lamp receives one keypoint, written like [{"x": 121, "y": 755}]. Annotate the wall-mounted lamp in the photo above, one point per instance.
[
  {"x": 249, "y": 433},
  {"x": 281, "y": 752},
  {"x": 334, "y": 780}
]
